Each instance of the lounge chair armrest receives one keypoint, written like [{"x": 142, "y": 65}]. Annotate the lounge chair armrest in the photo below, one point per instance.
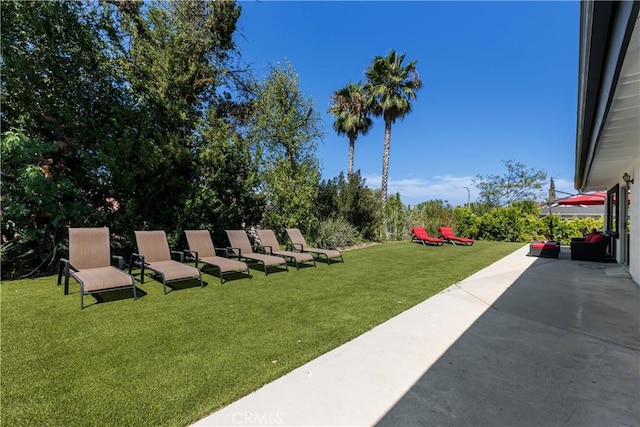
[
  {"x": 262, "y": 249},
  {"x": 179, "y": 254},
  {"x": 225, "y": 252},
  {"x": 190, "y": 255},
  {"x": 63, "y": 268},
  {"x": 295, "y": 246},
  {"x": 137, "y": 259},
  {"x": 270, "y": 248},
  {"x": 119, "y": 259},
  {"x": 231, "y": 250}
]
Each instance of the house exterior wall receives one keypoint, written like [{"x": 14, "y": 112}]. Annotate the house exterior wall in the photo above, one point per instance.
[
  {"x": 608, "y": 140},
  {"x": 634, "y": 244}
]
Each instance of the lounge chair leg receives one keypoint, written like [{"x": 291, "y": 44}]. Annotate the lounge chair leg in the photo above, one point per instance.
[
  {"x": 164, "y": 284},
  {"x": 60, "y": 269}
]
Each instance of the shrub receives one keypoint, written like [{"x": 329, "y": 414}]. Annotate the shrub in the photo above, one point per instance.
[
  {"x": 353, "y": 201},
  {"x": 334, "y": 233},
  {"x": 520, "y": 223}
]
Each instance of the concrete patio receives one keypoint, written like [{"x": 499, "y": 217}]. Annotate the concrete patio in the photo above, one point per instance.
[{"x": 526, "y": 341}]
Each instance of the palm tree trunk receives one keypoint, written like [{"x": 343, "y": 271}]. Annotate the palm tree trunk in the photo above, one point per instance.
[
  {"x": 385, "y": 161},
  {"x": 352, "y": 148}
]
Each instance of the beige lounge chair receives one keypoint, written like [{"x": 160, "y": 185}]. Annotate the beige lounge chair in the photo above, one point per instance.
[
  {"x": 90, "y": 264},
  {"x": 298, "y": 242},
  {"x": 240, "y": 243},
  {"x": 269, "y": 241},
  {"x": 201, "y": 247},
  {"x": 154, "y": 254}
]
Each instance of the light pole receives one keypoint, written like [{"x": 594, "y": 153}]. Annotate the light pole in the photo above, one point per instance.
[{"x": 468, "y": 196}]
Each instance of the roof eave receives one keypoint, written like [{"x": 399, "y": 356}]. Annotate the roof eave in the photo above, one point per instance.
[{"x": 605, "y": 32}]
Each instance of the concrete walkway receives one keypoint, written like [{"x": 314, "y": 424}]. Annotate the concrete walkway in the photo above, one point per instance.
[{"x": 526, "y": 341}]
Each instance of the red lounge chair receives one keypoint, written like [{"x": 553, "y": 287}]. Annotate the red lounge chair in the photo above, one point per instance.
[
  {"x": 419, "y": 234},
  {"x": 447, "y": 234}
]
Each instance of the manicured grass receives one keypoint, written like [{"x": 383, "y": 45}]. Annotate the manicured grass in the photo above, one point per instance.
[{"x": 170, "y": 360}]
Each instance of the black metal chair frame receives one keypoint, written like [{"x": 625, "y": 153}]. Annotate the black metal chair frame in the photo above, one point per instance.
[
  {"x": 193, "y": 255},
  {"x": 65, "y": 268},
  {"x": 138, "y": 260}
]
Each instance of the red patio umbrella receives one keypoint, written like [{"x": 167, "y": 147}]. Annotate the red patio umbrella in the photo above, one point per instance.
[{"x": 585, "y": 199}]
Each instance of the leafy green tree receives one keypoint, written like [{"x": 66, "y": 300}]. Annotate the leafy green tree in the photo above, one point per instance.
[
  {"x": 351, "y": 107},
  {"x": 61, "y": 95},
  {"x": 174, "y": 59},
  {"x": 393, "y": 87},
  {"x": 225, "y": 195},
  {"x": 352, "y": 201},
  {"x": 102, "y": 121},
  {"x": 37, "y": 204},
  {"x": 517, "y": 184},
  {"x": 285, "y": 129}
]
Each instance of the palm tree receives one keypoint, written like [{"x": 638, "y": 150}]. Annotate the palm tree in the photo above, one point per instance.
[
  {"x": 351, "y": 107},
  {"x": 393, "y": 87}
]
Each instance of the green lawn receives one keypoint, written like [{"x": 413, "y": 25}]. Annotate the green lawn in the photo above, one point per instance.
[{"x": 170, "y": 360}]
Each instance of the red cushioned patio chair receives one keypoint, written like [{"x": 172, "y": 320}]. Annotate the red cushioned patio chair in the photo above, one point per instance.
[
  {"x": 590, "y": 248},
  {"x": 447, "y": 234},
  {"x": 419, "y": 234}
]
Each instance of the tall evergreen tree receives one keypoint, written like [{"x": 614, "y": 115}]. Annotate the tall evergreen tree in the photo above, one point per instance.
[
  {"x": 393, "y": 87},
  {"x": 351, "y": 107},
  {"x": 174, "y": 59}
]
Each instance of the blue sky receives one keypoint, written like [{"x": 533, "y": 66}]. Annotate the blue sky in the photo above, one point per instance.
[{"x": 500, "y": 83}]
